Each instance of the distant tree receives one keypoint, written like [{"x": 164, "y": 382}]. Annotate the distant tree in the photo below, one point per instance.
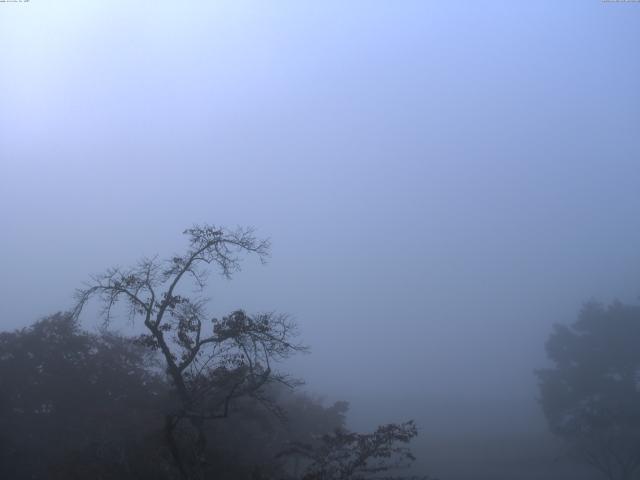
[
  {"x": 211, "y": 362},
  {"x": 591, "y": 395}
]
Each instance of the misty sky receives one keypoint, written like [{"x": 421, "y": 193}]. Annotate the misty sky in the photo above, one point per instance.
[{"x": 442, "y": 181}]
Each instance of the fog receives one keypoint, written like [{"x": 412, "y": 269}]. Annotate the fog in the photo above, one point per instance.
[{"x": 441, "y": 182}]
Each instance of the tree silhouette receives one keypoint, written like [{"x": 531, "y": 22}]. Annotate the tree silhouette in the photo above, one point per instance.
[
  {"x": 345, "y": 455},
  {"x": 591, "y": 396},
  {"x": 211, "y": 362}
]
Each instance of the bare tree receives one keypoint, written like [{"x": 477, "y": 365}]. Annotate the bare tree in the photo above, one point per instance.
[{"x": 209, "y": 361}]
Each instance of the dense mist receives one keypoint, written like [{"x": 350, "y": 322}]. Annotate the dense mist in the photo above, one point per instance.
[{"x": 440, "y": 183}]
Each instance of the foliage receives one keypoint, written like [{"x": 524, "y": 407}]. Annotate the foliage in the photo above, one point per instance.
[
  {"x": 343, "y": 455},
  {"x": 64, "y": 392},
  {"x": 76, "y": 405},
  {"x": 210, "y": 362},
  {"x": 591, "y": 396}
]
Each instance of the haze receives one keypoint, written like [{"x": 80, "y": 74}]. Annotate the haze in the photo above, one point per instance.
[{"x": 441, "y": 181}]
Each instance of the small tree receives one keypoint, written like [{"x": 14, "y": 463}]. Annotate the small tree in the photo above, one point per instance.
[
  {"x": 345, "y": 455},
  {"x": 210, "y": 362},
  {"x": 591, "y": 396}
]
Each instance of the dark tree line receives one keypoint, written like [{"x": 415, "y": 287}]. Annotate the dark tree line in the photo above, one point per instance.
[
  {"x": 194, "y": 397},
  {"x": 69, "y": 397},
  {"x": 80, "y": 405}
]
